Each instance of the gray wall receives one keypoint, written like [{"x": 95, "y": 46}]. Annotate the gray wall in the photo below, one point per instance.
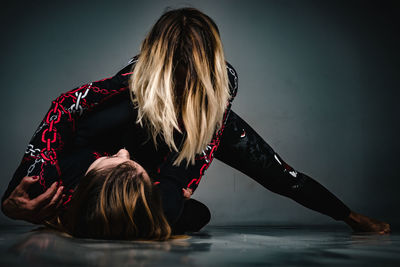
[{"x": 317, "y": 79}]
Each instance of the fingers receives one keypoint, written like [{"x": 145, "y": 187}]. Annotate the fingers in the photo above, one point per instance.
[
  {"x": 57, "y": 197},
  {"x": 46, "y": 205},
  {"x": 46, "y": 197},
  {"x": 27, "y": 181},
  {"x": 187, "y": 193},
  {"x": 51, "y": 208},
  {"x": 60, "y": 202},
  {"x": 20, "y": 206}
]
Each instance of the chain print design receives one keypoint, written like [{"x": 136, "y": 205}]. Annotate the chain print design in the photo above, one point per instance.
[
  {"x": 133, "y": 62},
  {"x": 235, "y": 79},
  {"x": 39, "y": 129},
  {"x": 59, "y": 123},
  {"x": 34, "y": 153},
  {"x": 75, "y": 107}
]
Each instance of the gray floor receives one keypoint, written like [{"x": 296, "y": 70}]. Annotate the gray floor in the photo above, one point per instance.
[{"x": 215, "y": 246}]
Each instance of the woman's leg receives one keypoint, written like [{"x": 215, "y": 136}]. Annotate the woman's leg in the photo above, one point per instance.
[
  {"x": 243, "y": 149},
  {"x": 195, "y": 215}
]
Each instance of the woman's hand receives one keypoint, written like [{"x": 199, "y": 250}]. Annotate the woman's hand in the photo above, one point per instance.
[
  {"x": 187, "y": 193},
  {"x": 20, "y": 207}
]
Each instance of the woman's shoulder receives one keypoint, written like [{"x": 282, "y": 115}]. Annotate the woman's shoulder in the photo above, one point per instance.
[
  {"x": 233, "y": 79},
  {"x": 127, "y": 70}
]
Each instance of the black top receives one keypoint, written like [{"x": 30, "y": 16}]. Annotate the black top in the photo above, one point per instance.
[{"x": 98, "y": 119}]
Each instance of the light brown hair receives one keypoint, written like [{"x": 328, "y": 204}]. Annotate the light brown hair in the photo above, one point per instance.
[{"x": 116, "y": 203}]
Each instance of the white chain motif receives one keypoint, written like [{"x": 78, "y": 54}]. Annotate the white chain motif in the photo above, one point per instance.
[
  {"x": 32, "y": 167},
  {"x": 234, "y": 74},
  {"x": 132, "y": 60},
  {"x": 34, "y": 152},
  {"x": 206, "y": 158},
  {"x": 79, "y": 95},
  {"x": 40, "y": 128}
]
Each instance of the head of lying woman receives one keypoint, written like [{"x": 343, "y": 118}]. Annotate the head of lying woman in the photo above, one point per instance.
[{"x": 115, "y": 200}]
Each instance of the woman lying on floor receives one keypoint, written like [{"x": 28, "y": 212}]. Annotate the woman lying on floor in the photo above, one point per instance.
[{"x": 171, "y": 109}]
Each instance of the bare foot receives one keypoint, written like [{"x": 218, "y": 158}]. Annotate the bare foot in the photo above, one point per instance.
[{"x": 361, "y": 223}]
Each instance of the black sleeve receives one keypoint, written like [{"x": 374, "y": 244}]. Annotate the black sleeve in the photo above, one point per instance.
[
  {"x": 243, "y": 149},
  {"x": 53, "y": 138},
  {"x": 171, "y": 198}
]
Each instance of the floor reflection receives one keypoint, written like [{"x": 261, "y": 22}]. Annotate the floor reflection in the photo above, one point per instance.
[
  {"x": 42, "y": 247},
  {"x": 216, "y": 246}
]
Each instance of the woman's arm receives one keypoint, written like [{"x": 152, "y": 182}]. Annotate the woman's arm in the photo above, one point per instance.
[
  {"x": 20, "y": 206},
  {"x": 54, "y": 135}
]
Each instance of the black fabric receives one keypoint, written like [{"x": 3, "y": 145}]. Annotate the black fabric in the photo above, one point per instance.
[
  {"x": 98, "y": 119},
  {"x": 195, "y": 215},
  {"x": 243, "y": 149}
]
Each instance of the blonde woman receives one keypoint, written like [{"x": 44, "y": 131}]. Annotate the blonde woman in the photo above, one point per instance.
[{"x": 171, "y": 109}]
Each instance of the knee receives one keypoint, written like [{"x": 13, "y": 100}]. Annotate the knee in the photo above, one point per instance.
[
  {"x": 200, "y": 212},
  {"x": 205, "y": 215},
  {"x": 194, "y": 217}
]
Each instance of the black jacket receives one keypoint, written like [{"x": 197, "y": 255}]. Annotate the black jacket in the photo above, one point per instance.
[{"x": 98, "y": 119}]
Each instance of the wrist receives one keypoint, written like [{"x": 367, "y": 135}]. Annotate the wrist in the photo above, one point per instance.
[{"x": 6, "y": 208}]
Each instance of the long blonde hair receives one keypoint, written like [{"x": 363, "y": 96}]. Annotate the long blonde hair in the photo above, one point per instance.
[
  {"x": 115, "y": 203},
  {"x": 188, "y": 40}
]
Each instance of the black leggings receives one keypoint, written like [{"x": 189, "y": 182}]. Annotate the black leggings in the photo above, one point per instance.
[
  {"x": 243, "y": 149},
  {"x": 195, "y": 215}
]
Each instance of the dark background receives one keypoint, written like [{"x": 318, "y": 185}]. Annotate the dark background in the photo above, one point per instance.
[{"x": 319, "y": 80}]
